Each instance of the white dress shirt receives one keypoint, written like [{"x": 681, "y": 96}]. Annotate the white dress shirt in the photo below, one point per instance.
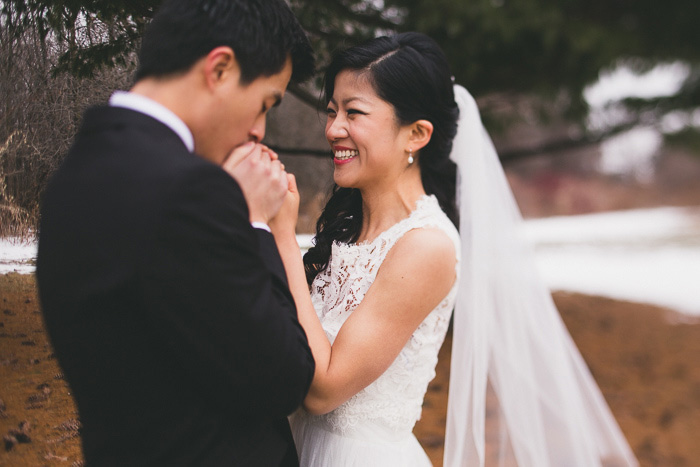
[{"x": 144, "y": 105}]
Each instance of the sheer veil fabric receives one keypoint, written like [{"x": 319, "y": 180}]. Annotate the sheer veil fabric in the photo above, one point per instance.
[{"x": 509, "y": 336}]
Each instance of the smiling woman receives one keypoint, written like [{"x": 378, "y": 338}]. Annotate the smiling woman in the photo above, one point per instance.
[
  {"x": 383, "y": 223},
  {"x": 367, "y": 138},
  {"x": 384, "y": 271}
]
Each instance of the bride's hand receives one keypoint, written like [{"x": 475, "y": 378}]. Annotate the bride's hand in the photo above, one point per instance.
[
  {"x": 261, "y": 177},
  {"x": 283, "y": 225},
  {"x": 245, "y": 150},
  {"x": 237, "y": 156}
]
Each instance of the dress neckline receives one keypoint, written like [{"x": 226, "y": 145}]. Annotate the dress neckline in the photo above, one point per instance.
[{"x": 420, "y": 203}]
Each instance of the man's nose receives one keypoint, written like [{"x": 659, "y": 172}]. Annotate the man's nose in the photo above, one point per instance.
[{"x": 257, "y": 132}]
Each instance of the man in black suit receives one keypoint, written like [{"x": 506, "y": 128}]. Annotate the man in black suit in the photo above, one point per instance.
[{"x": 164, "y": 295}]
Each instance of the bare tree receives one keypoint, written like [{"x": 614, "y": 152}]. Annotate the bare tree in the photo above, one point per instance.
[{"x": 40, "y": 110}]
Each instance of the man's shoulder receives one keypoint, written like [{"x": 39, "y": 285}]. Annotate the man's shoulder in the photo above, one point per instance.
[
  {"x": 126, "y": 127},
  {"x": 127, "y": 138},
  {"x": 122, "y": 150},
  {"x": 99, "y": 116}
]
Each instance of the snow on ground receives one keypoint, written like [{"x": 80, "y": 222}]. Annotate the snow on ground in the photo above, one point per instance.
[
  {"x": 646, "y": 255},
  {"x": 17, "y": 256}
]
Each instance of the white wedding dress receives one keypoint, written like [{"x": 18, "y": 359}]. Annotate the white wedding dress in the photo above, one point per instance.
[
  {"x": 375, "y": 426},
  {"x": 507, "y": 335}
]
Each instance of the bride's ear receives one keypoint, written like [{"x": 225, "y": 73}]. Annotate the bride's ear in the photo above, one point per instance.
[{"x": 421, "y": 132}]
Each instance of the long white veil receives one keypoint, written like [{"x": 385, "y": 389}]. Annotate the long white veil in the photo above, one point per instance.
[{"x": 509, "y": 342}]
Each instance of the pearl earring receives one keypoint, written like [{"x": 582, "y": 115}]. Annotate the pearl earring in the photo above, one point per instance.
[{"x": 410, "y": 156}]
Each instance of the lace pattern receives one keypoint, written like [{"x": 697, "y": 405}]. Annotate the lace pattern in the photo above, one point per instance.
[{"x": 395, "y": 399}]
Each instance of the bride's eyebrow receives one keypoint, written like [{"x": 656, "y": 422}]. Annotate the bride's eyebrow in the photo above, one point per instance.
[
  {"x": 349, "y": 100},
  {"x": 356, "y": 98}
]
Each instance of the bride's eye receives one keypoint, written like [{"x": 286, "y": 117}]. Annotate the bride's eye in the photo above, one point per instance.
[{"x": 330, "y": 112}]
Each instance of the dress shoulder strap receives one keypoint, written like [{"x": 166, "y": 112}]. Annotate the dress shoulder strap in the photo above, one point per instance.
[{"x": 427, "y": 214}]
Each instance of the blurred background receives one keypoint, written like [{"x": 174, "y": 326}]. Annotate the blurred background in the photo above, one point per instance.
[{"x": 593, "y": 105}]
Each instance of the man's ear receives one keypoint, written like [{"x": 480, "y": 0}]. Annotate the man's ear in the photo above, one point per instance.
[
  {"x": 421, "y": 132},
  {"x": 220, "y": 65}
]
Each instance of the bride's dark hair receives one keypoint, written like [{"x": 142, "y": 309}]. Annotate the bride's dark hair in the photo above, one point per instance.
[{"x": 410, "y": 72}]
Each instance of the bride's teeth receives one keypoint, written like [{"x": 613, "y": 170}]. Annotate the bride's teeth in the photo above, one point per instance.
[{"x": 345, "y": 154}]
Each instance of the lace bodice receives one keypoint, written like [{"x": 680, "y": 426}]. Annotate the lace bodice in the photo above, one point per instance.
[{"x": 396, "y": 397}]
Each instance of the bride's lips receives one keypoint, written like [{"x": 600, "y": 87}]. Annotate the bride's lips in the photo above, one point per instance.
[{"x": 343, "y": 155}]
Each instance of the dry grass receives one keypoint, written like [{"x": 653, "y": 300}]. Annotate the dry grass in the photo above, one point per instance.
[
  {"x": 644, "y": 359},
  {"x": 33, "y": 389}
]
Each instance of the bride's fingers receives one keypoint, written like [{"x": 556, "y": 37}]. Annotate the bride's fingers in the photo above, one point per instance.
[
  {"x": 238, "y": 154},
  {"x": 273, "y": 155},
  {"x": 291, "y": 183},
  {"x": 278, "y": 173}
]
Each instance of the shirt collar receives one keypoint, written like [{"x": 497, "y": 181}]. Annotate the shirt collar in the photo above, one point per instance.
[{"x": 144, "y": 105}]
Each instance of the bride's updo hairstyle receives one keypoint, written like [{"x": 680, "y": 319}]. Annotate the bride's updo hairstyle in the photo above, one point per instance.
[{"x": 410, "y": 72}]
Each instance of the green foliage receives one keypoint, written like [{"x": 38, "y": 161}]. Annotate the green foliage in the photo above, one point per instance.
[
  {"x": 531, "y": 57},
  {"x": 334, "y": 24},
  {"x": 688, "y": 138},
  {"x": 94, "y": 33},
  {"x": 543, "y": 46},
  {"x": 522, "y": 46}
]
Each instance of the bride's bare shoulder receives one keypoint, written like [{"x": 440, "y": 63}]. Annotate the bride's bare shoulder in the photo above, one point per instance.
[{"x": 429, "y": 248}]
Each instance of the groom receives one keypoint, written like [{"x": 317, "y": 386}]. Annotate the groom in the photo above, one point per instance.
[{"x": 162, "y": 291}]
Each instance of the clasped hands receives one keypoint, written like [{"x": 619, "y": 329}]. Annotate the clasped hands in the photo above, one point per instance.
[{"x": 271, "y": 192}]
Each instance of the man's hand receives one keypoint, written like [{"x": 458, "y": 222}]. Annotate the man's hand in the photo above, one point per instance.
[{"x": 261, "y": 177}]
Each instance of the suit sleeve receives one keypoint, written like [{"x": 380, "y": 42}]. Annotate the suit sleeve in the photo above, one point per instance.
[{"x": 218, "y": 295}]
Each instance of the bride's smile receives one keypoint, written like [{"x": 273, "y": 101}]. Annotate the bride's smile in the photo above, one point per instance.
[
  {"x": 367, "y": 140},
  {"x": 342, "y": 155}
]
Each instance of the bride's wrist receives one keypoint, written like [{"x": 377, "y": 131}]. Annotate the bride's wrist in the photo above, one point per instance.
[{"x": 285, "y": 238}]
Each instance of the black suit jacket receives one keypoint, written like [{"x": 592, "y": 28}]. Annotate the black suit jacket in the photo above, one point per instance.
[{"x": 168, "y": 312}]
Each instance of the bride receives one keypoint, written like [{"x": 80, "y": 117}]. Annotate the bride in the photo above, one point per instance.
[{"x": 388, "y": 267}]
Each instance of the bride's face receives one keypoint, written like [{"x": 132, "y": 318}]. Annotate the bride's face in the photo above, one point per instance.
[{"x": 367, "y": 140}]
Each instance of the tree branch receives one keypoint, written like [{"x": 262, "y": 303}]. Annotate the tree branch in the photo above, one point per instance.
[
  {"x": 375, "y": 20},
  {"x": 563, "y": 144},
  {"x": 508, "y": 156},
  {"x": 305, "y": 96}
]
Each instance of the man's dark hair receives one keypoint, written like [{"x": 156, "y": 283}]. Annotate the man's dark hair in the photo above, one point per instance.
[{"x": 262, "y": 34}]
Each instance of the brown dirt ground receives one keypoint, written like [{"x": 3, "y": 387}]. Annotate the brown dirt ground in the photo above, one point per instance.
[
  {"x": 645, "y": 361},
  {"x": 33, "y": 389},
  {"x": 644, "y": 358}
]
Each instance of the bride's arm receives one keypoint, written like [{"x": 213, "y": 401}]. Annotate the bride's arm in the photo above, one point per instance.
[
  {"x": 283, "y": 227},
  {"x": 416, "y": 275}
]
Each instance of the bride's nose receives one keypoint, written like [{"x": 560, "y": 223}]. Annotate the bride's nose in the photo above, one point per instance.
[{"x": 336, "y": 129}]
